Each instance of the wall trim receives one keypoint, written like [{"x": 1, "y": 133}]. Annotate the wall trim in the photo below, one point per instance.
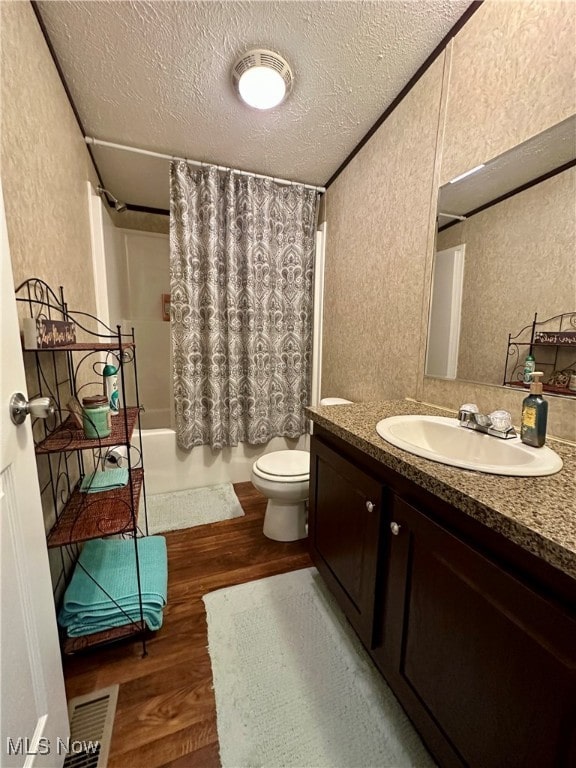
[
  {"x": 48, "y": 42},
  {"x": 146, "y": 209}
]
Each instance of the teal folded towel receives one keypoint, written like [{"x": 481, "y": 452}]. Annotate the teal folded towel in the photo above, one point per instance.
[
  {"x": 103, "y": 592},
  {"x": 105, "y": 481}
]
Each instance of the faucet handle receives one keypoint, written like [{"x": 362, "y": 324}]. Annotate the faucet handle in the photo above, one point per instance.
[{"x": 501, "y": 420}]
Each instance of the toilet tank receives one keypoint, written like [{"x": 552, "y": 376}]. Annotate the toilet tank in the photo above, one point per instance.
[{"x": 335, "y": 401}]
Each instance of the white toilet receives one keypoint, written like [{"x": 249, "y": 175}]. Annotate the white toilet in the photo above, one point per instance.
[{"x": 282, "y": 476}]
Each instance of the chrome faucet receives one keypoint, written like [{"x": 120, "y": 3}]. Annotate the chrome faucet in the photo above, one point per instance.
[{"x": 497, "y": 424}]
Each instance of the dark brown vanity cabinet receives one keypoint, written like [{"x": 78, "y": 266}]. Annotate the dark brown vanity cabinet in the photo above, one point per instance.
[
  {"x": 481, "y": 655},
  {"x": 345, "y": 514},
  {"x": 483, "y": 663}
]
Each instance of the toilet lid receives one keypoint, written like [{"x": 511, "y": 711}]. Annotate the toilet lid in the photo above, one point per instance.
[{"x": 285, "y": 463}]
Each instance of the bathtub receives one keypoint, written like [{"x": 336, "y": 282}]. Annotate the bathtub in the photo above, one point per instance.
[{"x": 170, "y": 469}]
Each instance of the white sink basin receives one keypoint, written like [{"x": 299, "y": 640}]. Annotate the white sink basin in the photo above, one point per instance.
[{"x": 444, "y": 440}]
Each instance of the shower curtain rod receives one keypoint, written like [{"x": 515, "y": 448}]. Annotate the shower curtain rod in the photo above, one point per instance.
[{"x": 197, "y": 163}]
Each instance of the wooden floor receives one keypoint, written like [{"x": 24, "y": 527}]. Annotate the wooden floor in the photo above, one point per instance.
[{"x": 166, "y": 713}]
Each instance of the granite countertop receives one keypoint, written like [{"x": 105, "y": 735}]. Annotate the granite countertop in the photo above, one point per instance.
[{"x": 537, "y": 513}]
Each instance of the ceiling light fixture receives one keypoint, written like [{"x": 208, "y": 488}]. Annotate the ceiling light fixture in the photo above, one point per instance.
[{"x": 262, "y": 78}]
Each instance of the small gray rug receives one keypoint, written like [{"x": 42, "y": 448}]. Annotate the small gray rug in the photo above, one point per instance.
[
  {"x": 293, "y": 685},
  {"x": 185, "y": 509}
]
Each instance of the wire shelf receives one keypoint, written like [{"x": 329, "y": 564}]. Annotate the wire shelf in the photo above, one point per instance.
[
  {"x": 95, "y": 515},
  {"x": 69, "y": 437}
]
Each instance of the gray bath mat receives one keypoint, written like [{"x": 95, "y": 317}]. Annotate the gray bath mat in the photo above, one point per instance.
[
  {"x": 185, "y": 509},
  {"x": 293, "y": 685}
]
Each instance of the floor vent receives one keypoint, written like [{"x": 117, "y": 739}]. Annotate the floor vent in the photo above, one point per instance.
[{"x": 91, "y": 723}]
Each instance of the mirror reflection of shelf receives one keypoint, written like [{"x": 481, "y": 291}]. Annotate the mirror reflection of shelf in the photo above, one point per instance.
[
  {"x": 553, "y": 343},
  {"x": 552, "y": 390}
]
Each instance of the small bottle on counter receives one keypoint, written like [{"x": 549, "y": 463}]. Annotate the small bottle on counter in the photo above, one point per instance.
[
  {"x": 534, "y": 414},
  {"x": 96, "y": 417}
]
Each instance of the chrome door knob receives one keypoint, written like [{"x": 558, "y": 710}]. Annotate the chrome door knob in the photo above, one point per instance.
[
  {"x": 39, "y": 408},
  {"x": 370, "y": 506},
  {"x": 395, "y": 528}
]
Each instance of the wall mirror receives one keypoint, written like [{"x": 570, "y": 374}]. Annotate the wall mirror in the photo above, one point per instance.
[{"x": 505, "y": 252}]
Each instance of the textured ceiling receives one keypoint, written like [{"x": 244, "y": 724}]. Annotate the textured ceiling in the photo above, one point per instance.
[{"x": 156, "y": 75}]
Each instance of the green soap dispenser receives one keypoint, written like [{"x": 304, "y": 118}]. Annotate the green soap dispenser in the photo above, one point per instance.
[{"x": 534, "y": 414}]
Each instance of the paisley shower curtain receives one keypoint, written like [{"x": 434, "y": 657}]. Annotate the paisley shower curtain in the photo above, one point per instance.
[{"x": 241, "y": 267}]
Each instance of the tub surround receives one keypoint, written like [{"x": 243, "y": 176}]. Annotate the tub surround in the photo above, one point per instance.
[
  {"x": 538, "y": 514},
  {"x": 170, "y": 469}
]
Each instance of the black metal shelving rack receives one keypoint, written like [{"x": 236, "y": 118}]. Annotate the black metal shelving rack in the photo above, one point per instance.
[{"x": 65, "y": 455}]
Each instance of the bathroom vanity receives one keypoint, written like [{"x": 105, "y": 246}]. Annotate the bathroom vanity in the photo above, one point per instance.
[{"x": 461, "y": 586}]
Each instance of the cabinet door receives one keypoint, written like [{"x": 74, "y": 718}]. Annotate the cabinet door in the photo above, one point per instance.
[
  {"x": 478, "y": 659},
  {"x": 344, "y": 526}
]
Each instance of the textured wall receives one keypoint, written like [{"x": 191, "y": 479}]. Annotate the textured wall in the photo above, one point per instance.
[
  {"x": 519, "y": 260},
  {"x": 512, "y": 77},
  {"x": 45, "y": 164},
  {"x": 379, "y": 212},
  {"x": 452, "y": 394}
]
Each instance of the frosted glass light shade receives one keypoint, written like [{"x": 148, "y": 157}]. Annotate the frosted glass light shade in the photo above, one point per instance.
[{"x": 262, "y": 87}]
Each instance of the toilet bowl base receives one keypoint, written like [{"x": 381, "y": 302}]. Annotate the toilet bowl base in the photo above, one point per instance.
[{"x": 285, "y": 520}]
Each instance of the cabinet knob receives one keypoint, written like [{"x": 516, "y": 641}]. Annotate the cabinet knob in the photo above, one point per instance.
[
  {"x": 395, "y": 528},
  {"x": 370, "y": 506}
]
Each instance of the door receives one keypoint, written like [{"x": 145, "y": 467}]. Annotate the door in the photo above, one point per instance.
[
  {"x": 445, "y": 313},
  {"x": 474, "y": 654},
  {"x": 33, "y": 710},
  {"x": 345, "y": 510}
]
